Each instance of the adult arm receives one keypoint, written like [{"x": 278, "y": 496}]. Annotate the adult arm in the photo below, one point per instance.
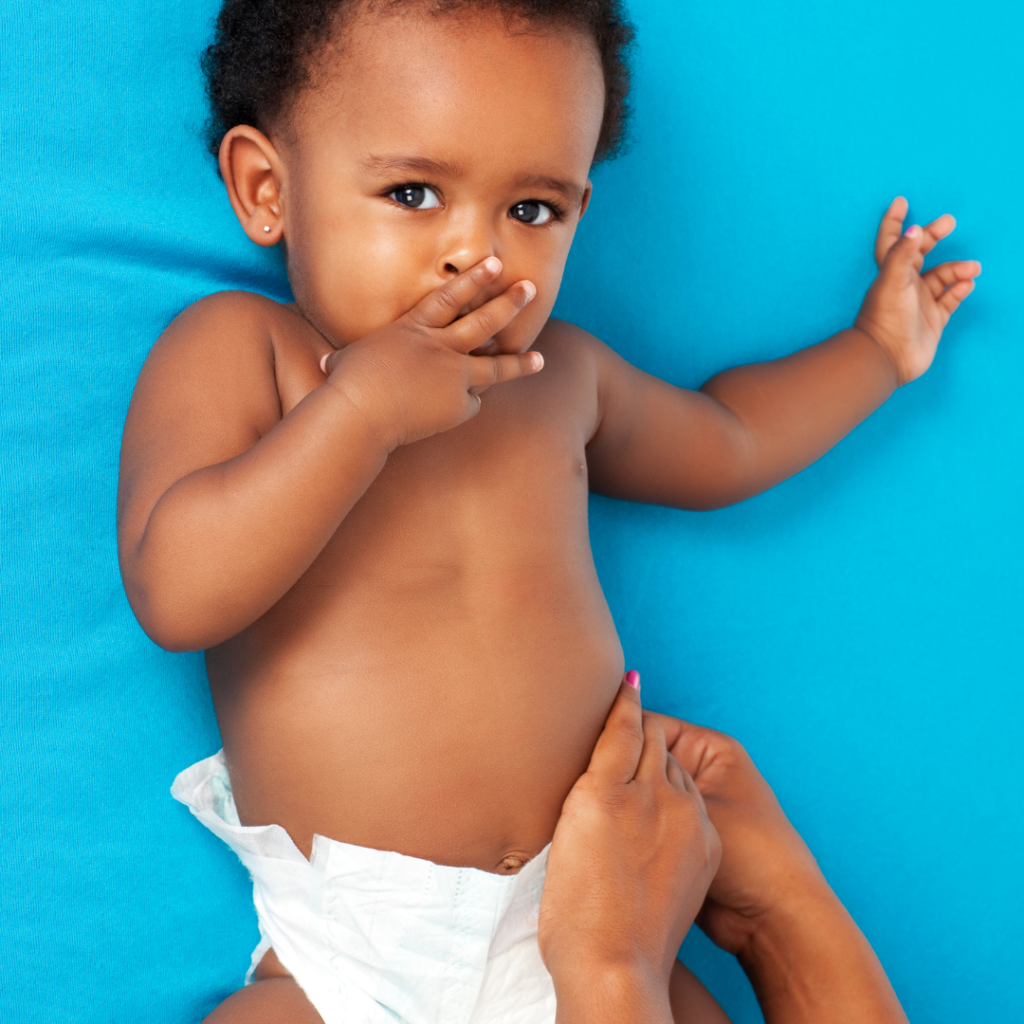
[
  {"x": 769, "y": 903},
  {"x": 630, "y": 862},
  {"x": 753, "y": 426}
]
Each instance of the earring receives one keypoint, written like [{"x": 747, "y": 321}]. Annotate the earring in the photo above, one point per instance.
[{"x": 266, "y": 228}]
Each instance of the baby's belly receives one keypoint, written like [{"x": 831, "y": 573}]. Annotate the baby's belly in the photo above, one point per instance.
[{"x": 446, "y": 721}]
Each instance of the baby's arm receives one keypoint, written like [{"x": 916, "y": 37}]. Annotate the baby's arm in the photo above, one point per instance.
[
  {"x": 224, "y": 503},
  {"x": 751, "y": 427}
]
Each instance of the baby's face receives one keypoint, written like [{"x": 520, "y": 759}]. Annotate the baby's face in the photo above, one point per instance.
[{"x": 432, "y": 143}]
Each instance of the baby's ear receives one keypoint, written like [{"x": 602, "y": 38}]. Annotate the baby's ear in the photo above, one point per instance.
[
  {"x": 253, "y": 173},
  {"x": 587, "y": 193}
]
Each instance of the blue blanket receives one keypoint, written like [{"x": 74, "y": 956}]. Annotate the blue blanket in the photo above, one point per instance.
[{"x": 857, "y": 627}]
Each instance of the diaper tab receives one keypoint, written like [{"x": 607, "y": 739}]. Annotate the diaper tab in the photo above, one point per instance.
[{"x": 205, "y": 789}]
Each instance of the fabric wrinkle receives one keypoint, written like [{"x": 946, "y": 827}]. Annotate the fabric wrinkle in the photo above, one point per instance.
[{"x": 377, "y": 936}]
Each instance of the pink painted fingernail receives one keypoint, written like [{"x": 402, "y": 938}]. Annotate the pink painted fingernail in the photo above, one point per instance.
[
  {"x": 633, "y": 678},
  {"x": 912, "y": 231},
  {"x": 323, "y": 363}
]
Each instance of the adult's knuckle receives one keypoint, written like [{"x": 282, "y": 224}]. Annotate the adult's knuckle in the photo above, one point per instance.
[{"x": 628, "y": 730}]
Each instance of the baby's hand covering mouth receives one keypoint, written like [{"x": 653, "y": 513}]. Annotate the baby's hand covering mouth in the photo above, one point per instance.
[{"x": 425, "y": 373}]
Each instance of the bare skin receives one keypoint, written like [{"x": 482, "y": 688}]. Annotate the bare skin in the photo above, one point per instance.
[
  {"x": 669, "y": 843},
  {"x": 631, "y": 822},
  {"x": 418, "y": 516}
]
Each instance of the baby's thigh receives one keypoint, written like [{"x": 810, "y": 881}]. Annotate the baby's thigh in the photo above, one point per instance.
[
  {"x": 274, "y": 1001},
  {"x": 691, "y": 1002}
]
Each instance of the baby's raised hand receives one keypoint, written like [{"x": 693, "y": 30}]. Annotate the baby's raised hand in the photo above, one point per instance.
[
  {"x": 416, "y": 377},
  {"x": 905, "y": 311}
]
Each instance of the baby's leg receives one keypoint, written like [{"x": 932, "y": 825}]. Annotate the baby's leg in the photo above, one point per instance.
[
  {"x": 691, "y": 1002},
  {"x": 274, "y": 998},
  {"x": 278, "y": 1000},
  {"x": 275, "y": 1001}
]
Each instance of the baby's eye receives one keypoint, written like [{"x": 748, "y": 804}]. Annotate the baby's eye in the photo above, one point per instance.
[
  {"x": 531, "y": 212},
  {"x": 416, "y": 197}
]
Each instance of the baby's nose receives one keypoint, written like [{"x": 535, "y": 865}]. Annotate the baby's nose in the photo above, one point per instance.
[
  {"x": 453, "y": 264},
  {"x": 471, "y": 242}
]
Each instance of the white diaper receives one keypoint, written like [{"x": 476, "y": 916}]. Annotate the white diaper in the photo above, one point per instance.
[{"x": 373, "y": 936}]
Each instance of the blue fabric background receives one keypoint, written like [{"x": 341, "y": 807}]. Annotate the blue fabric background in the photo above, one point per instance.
[{"x": 858, "y": 627}]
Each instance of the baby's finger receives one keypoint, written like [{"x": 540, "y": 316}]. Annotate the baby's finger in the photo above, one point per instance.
[
  {"x": 618, "y": 748},
  {"x": 945, "y": 275},
  {"x": 489, "y": 370},
  {"x": 905, "y": 257},
  {"x": 443, "y": 305},
  {"x": 327, "y": 361},
  {"x": 935, "y": 232},
  {"x": 891, "y": 228},
  {"x": 477, "y": 328},
  {"x": 952, "y": 297}
]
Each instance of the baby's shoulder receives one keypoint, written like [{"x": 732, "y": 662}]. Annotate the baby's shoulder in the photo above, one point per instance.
[
  {"x": 216, "y": 361},
  {"x": 234, "y": 323},
  {"x": 232, "y": 336},
  {"x": 569, "y": 343},
  {"x": 578, "y": 351}
]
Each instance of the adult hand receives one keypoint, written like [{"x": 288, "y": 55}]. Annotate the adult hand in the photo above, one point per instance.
[
  {"x": 769, "y": 903},
  {"x": 630, "y": 863},
  {"x": 764, "y": 860},
  {"x": 416, "y": 377}
]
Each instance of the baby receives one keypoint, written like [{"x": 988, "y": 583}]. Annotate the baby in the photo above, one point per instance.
[{"x": 369, "y": 506}]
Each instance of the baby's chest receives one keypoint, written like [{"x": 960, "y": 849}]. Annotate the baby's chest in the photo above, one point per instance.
[
  {"x": 505, "y": 494},
  {"x": 529, "y": 434}
]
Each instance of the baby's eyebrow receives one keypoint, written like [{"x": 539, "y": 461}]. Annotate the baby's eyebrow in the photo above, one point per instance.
[
  {"x": 409, "y": 164},
  {"x": 569, "y": 190}
]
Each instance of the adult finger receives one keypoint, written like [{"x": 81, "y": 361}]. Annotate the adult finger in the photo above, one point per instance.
[
  {"x": 444, "y": 304},
  {"x": 486, "y": 371},
  {"x": 687, "y": 781},
  {"x": 891, "y": 228},
  {"x": 618, "y": 749},
  {"x": 653, "y": 763},
  {"x": 677, "y": 776},
  {"x": 478, "y": 327},
  {"x": 695, "y": 746},
  {"x": 685, "y": 745}
]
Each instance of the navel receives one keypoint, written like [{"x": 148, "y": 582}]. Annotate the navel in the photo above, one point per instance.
[{"x": 511, "y": 864}]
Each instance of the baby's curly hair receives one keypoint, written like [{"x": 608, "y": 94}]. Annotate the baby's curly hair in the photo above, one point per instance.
[{"x": 263, "y": 52}]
